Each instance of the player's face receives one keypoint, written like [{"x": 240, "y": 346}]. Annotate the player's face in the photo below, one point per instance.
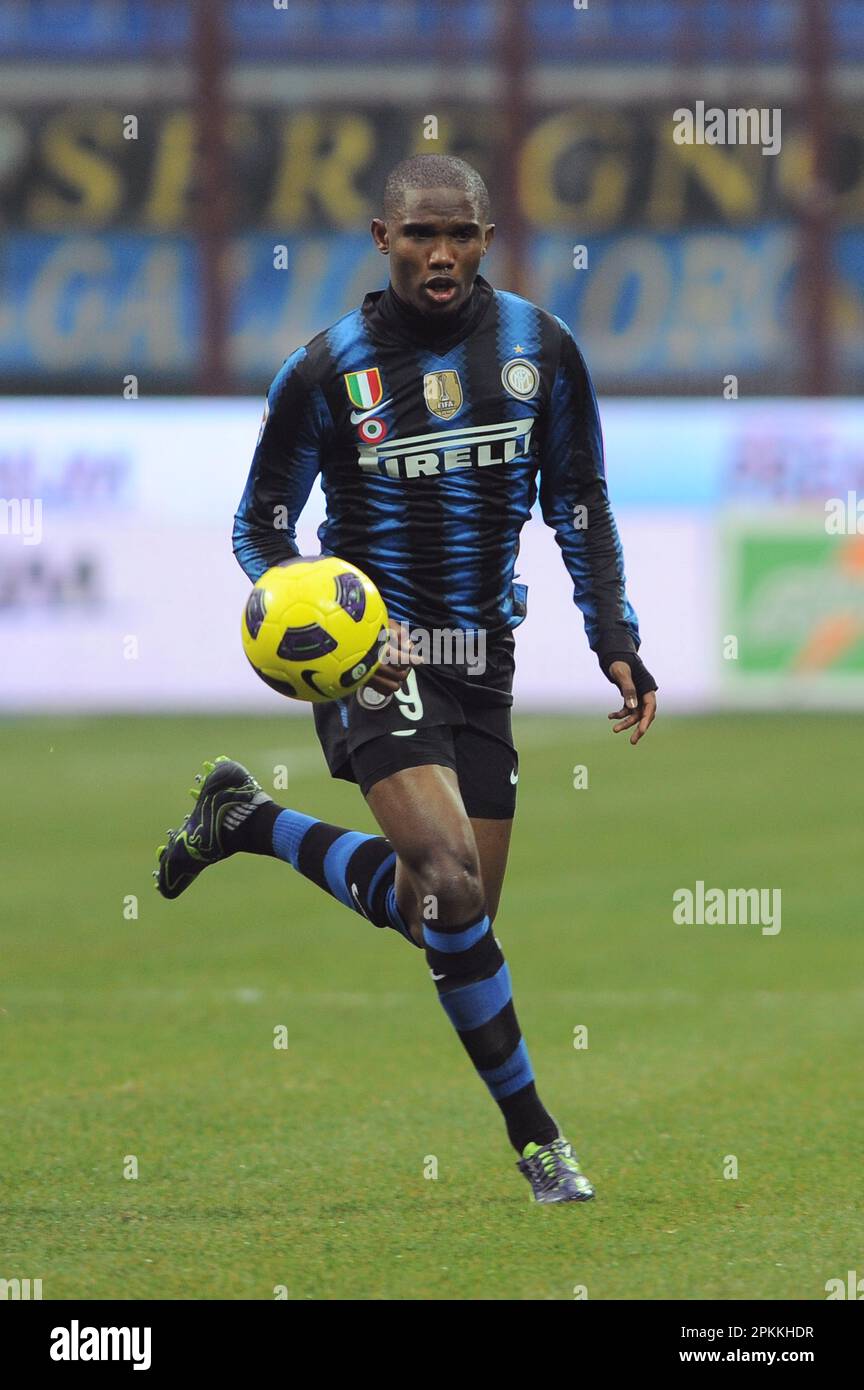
[{"x": 435, "y": 246}]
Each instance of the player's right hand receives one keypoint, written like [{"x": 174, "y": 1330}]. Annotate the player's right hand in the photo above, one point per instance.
[{"x": 399, "y": 656}]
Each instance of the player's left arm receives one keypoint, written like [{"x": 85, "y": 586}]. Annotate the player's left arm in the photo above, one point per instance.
[{"x": 575, "y": 503}]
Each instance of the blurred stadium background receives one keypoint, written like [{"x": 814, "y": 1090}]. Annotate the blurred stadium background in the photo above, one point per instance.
[{"x": 186, "y": 190}]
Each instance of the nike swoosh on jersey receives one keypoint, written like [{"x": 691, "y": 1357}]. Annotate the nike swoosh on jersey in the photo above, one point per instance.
[
  {"x": 358, "y": 416},
  {"x": 514, "y": 779},
  {"x": 402, "y": 733}
]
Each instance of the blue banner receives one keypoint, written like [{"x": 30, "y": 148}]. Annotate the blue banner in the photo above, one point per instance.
[
  {"x": 645, "y": 307},
  {"x": 649, "y": 30}
]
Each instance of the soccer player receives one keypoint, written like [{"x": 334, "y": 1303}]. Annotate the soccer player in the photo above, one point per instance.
[{"x": 429, "y": 412}]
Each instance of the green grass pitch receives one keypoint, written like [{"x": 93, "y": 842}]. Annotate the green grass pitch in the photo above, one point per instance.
[{"x": 303, "y": 1166}]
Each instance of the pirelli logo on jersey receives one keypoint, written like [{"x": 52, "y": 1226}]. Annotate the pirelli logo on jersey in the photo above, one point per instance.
[{"x": 473, "y": 446}]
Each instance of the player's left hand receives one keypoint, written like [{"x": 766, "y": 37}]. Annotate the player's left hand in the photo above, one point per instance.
[{"x": 634, "y": 714}]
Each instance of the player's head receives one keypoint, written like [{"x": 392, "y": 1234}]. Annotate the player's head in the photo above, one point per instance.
[{"x": 435, "y": 228}]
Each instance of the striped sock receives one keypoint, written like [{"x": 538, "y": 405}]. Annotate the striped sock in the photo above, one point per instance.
[
  {"x": 356, "y": 869},
  {"x": 473, "y": 983}
]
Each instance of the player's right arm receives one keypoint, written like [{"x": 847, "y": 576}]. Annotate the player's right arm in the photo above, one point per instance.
[
  {"x": 286, "y": 461},
  {"x": 285, "y": 464}
]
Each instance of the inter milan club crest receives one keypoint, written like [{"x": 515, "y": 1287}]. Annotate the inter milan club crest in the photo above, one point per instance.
[
  {"x": 521, "y": 378},
  {"x": 443, "y": 393},
  {"x": 364, "y": 388}
]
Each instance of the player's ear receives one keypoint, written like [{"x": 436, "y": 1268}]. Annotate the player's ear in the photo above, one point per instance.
[
  {"x": 379, "y": 235},
  {"x": 487, "y": 240}
]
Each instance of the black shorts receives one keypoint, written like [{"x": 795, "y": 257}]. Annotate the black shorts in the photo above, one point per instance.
[{"x": 439, "y": 716}]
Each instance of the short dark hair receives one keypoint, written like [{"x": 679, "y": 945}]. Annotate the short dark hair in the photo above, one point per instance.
[{"x": 433, "y": 171}]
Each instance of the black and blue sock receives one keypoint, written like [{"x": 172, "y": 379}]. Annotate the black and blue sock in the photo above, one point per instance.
[
  {"x": 356, "y": 869},
  {"x": 473, "y": 983},
  {"x": 465, "y": 960}
]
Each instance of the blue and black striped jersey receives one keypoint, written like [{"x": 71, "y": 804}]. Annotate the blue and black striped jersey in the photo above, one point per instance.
[{"x": 430, "y": 452}]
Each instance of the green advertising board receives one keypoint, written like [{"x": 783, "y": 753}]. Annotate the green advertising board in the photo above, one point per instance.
[{"x": 794, "y": 604}]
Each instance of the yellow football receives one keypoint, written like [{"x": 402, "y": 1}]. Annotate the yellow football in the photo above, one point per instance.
[{"x": 313, "y": 628}]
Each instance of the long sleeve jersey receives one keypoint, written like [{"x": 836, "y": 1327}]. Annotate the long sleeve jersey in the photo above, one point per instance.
[{"x": 431, "y": 438}]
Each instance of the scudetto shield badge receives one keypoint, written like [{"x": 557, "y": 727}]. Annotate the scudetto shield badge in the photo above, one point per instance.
[
  {"x": 443, "y": 393},
  {"x": 364, "y": 388}
]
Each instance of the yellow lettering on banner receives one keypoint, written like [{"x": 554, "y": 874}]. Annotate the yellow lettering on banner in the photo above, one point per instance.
[
  {"x": 730, "y": 177},
  {"x": 321, "y": 157},
  {"x": 606, "y": 181},
  {"x": 166, "y": 206},
  {"x": 794, "y": 177},
  {"x": 90, "y": 184}
]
